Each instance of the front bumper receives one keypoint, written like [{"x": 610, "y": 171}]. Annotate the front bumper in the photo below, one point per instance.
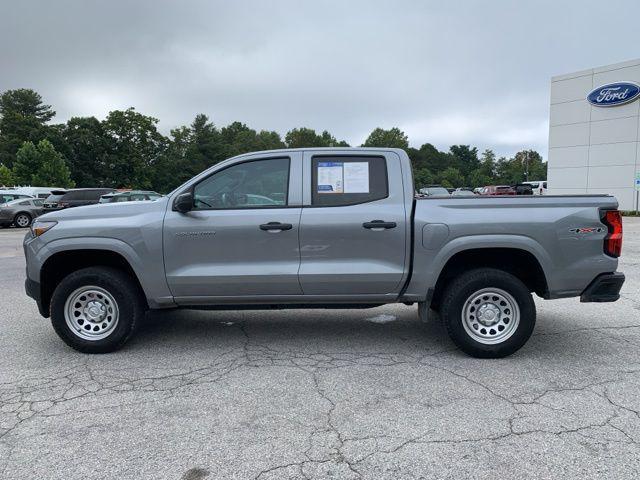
[
  {"x": 32, "y": 288},
  {"x": 604, "y": 288}
]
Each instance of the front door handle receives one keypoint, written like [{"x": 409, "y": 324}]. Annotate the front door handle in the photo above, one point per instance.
[
  {"x": 379, "y": 224},
  {"x": 275, "y": 226}
]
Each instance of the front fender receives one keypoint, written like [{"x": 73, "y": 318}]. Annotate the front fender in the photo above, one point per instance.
[{"x": 147, "y": 265}]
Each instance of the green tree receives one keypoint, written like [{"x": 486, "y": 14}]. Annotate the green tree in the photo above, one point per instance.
[
  {"x": 26, "y": 164},
  {"x": 532, "y": 165},
  {"x": 23, "y": 117},
  {"x": 484, "y": 174},
  {"x": 392, "y": 138},
  {"x": 88, "y": 149},
  {"x": 53, "y": 170},
  {"x": 190, "y": 150},
  {"x": 41, "y": 165},
  {"x": 464, "y": 158},
  {"x": 307, "y": 137},
  {"x": 422, "y": 178},
  {"x": 204, "y": 144},
  {"x": 135, "y": 147},
  {"x": 451, "y": 177},
  {"x": 526, "y": 164},
  {"x": 6, "y": 176}
]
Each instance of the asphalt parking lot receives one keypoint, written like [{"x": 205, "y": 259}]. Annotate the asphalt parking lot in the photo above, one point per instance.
[{"x": 321, "y": 394}]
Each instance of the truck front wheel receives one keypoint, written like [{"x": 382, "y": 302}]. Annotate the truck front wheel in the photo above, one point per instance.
[
  {"x": 96, "y": 310},
  {"x": 488, "y": 313}
]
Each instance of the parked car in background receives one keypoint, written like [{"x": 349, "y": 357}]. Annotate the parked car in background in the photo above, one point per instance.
[
  {"x": 35, "y": 192},
  {"x": 76, "y": 197},
  {"x": 498, "y": 190},
  {"x": 8, "y": 195},
  {"x": 51, "y": 202},
  {"x": 432, "y": 190},
  {"x": 20, "y": 212},
  {"x": 523, "y": 189},
  {"x": 131, "y": 196},
  {"x": 463, "y": 193},
  {"x": 539, "y": 186}
]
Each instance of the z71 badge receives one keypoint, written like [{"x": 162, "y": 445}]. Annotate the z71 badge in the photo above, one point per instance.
[{"x": 587, "y": 230}]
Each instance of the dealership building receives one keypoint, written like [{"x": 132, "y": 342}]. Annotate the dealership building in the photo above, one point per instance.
[{"x": 594, "y": 132}]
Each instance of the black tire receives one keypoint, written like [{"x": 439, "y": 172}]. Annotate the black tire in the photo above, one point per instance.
[
  {"x": 22, "y": 215},
  {"x": 465, "y": 287},
  {"x": 122, "y": 288}
]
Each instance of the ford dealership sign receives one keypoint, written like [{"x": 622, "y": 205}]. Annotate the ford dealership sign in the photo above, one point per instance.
[{"x": 614, "y": 94}]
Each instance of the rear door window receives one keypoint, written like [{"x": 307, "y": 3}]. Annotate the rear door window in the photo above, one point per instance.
[{"x": 348, "y": 180}]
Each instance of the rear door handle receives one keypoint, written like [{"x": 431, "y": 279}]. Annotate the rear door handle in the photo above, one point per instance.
[
  {"x": 275, "y": 226},
  {"x": 378, "y": 224}
]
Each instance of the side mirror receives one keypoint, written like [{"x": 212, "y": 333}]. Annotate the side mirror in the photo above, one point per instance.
[{"x": 183, "y": 202}]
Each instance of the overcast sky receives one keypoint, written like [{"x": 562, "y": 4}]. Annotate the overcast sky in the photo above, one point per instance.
[{"x": 446, "y": 72}]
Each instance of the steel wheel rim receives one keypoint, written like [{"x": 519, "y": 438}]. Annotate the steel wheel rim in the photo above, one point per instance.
[
  {"x": 490, "y": 315},
  {"x": 91, "y": 313},
  {"x": 22, "y": 221}
]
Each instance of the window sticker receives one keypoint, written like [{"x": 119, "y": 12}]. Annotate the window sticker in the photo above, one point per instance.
[
  {"x": 330, "y": 177},
  {"x": 356, "y": 177}
]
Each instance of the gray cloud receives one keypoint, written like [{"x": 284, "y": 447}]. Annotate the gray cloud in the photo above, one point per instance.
[{"x": 447, "y": 72}]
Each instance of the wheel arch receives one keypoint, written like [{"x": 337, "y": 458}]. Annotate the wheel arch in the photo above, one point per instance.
[
  {"x": 64, "y": 262},
  {"x": 520, "y": 262}
]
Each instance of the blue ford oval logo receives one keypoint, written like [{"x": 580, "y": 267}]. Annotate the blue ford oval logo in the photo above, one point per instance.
[{"x": 614, "y": 94}]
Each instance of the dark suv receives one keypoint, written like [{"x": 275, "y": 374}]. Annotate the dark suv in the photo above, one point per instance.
[{"x": 75, "y": 198}]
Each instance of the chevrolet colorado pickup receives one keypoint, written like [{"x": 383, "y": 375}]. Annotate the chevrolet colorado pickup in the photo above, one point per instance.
[{"x": 326, "y": 228}]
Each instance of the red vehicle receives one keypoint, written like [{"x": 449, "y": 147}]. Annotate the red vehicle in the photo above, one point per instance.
[{"x": 498, "y": 190}]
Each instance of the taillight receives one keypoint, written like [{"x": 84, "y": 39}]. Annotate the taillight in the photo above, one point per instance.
[{"x": 613, "y": 240}]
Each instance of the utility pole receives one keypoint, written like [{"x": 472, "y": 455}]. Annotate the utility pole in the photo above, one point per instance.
[{"x": 526, "y": 166}]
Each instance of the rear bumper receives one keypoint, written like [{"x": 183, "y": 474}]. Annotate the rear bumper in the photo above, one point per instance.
[{"x": 604, "y": 288}]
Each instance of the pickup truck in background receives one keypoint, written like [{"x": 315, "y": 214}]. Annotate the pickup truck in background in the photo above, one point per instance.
[{"x": 325, "y": 228}]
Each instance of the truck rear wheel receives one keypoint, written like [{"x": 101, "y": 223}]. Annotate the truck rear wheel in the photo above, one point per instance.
[
  {"x": 96, "y": 310},
  {"x": 488, "y": 313}
]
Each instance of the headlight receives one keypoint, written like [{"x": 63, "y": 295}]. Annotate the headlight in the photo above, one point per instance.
[{"x": 39, "y": 227}]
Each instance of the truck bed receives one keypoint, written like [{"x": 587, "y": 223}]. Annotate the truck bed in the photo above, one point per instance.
[{"x": 545, "y": 226}]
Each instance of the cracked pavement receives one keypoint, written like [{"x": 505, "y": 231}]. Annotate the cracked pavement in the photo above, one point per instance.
[{"x": 344, "y": 394}]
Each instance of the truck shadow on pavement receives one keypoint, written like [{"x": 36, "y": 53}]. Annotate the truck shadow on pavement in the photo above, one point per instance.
[
  {"x": 381, "y": 329},
  {"x": 389, "y": 330}
]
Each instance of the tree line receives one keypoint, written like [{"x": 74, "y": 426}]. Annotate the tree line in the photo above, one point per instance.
[{"x": 126, "y": 150}]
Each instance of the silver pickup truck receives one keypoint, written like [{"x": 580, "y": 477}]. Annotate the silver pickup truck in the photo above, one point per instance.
[{"x": 322, "y": 228}]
